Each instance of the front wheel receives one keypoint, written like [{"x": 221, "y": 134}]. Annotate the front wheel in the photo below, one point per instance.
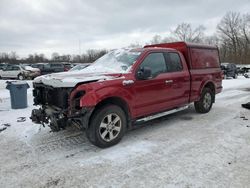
[
  {"x": 107, "y": 126},
  {"x": 206, "y": 101}
]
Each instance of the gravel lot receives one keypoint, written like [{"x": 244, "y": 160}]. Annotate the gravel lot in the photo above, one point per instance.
[{"x": 185, "y": 149}]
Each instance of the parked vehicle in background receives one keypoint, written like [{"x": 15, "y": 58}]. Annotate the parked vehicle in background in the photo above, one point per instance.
[
  {"x": 245, "y": 69},
  {"x": 39, "y": 66},
  {"x": 67, "y": 66},
  {"x": 246, "y": 75},
  {"x": 229, "y": 70},
  {"x": 48, "y": 68},
  {"x": 2, "y": 66},
  {"x": 129, "y": 86},
  {"x": 242, "y": 69},
  {"x": 80, "y": 67},
  {"x": 20, "y": 72}
]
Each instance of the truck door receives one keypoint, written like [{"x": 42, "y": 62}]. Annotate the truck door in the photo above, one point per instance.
[
  {"x": 178, "y": 78},
  {"x": 164, "y": 90},
  {"x": 151, "y": 93}
]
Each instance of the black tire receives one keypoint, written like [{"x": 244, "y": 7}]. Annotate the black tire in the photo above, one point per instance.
[
  {"x": 100, "y": 128},
  {"x": 206, "y": 101},
  {"x": 20, "y": 77}
]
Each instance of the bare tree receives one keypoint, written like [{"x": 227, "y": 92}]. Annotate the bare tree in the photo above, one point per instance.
[
  {"x": 156, "y": 39},
  {"x": 246, "y": 36},
  {"x": 77, "y": 58},
  {"x": 229, "y": 30},
  {"x": 55, "y": 56},
  {"x": 93, "y": 55},
  {"x": 4, "y": 56},
  {"x": 13, "y": 55},
  {"x": 168, "y": 39},
  {"x": 211, "y": 40},
  {"x": 42, "y": 57},
  {"x": 185, "y": 32},
  {"x": 233, "y": 31}
]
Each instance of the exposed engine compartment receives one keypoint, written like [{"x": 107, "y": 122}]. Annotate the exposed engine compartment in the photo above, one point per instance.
[{"x": 47, "y": 95}]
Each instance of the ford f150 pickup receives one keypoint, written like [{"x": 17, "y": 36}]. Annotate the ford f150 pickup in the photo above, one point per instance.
[{"x": 128, "y": 86}]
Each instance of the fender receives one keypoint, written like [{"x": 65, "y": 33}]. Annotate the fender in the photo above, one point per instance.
[
  {"x": 101, "y": 91},
  {"x": 203, "y": 84}
]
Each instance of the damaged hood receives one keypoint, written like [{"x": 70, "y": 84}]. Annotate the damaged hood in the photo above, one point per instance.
[{"x": 71, "y": 79}]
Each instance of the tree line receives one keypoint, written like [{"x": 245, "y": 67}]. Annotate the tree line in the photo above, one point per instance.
[
  {"x": 88, "y": 57},
  {"x": 232, "y": 36}
]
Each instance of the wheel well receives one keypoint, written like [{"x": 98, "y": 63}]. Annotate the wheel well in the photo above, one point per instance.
[
  {"x": 115, "y": 101},
  {"x": 211, "y": 86}
]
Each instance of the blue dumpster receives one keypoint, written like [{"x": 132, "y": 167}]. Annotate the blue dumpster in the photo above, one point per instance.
[{"x": 18, "y": 94}]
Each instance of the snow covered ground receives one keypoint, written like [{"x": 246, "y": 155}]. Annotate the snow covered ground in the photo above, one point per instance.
[{"x": 180, "y": 150}]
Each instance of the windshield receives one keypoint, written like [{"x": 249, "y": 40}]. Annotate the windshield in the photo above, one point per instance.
[{"x": 116, "y": 61}]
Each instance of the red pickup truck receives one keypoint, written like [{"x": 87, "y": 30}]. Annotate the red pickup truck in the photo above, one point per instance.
[{"x": 128, "y": 86}]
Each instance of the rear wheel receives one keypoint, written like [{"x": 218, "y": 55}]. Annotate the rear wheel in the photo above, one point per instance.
[
  {"x": 107, "y": 126},
  {"x": 20, "y": 77},
  {"x": 206, "y": 101}
]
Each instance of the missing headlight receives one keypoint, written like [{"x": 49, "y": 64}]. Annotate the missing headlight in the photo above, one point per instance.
[{"x": 77, "y": 99}]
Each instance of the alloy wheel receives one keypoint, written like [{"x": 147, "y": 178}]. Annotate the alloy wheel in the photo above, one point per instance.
[
  {"x": 207, "y": 100},
  {"x": 110, "y": 127}
]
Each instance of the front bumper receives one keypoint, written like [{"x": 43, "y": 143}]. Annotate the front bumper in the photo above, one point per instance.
[{"x": 57, "y": 119}]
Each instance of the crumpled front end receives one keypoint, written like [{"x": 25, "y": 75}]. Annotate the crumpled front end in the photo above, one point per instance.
[{"x": 57, "y": 108}]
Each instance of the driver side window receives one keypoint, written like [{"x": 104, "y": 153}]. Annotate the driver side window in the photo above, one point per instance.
[{"x": 156, "y": 62}]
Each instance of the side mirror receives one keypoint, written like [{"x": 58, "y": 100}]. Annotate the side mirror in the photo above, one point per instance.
[{"x": 144, "y": 73}]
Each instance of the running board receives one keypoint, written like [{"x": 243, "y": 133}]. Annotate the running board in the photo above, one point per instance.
[{"x": 162, "y": 114}]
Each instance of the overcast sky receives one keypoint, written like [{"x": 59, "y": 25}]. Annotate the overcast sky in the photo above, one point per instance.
[{"x": 47, "y": 26}]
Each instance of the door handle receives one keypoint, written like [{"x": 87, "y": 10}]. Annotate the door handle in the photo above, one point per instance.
[
  {"x": 168, "y": 81},
  {"x": 127, "y": 82}
]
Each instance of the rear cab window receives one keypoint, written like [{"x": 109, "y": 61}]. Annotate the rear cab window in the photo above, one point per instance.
[{"x": 174, "y": 63}]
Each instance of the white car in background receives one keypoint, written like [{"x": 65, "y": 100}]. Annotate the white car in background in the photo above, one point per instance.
[{"x": 20, "y": 72}]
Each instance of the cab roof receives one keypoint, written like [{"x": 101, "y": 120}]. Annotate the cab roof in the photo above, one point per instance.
[{"x": 181, "y": 44}]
